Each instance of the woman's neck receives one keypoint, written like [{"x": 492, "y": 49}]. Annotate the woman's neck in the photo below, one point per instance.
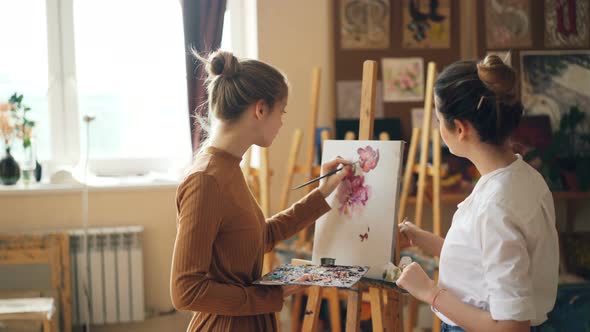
[
  {"x": 488, "y": 158},
  {"x": 230, "y": 139}
]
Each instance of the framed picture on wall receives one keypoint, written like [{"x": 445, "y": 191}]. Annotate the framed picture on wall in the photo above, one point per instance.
[
  {"x": 426, "y": 24},
  {"x": 554, "y": 81},
  {"x": 566, "y": 23},
  {"x": 349, "y": 99},
  {"x": 508, "y": 23},
  {"x": 364, "y": 24},
  {"x": 403, "y": 79}
]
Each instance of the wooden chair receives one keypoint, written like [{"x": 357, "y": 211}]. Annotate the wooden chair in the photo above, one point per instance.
[
  {"x": 30, "y": 309},
  {"x": 50, "y": 249}
]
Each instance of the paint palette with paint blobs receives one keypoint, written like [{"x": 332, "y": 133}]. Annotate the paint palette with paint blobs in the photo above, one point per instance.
[{"x": 318, "y": 275}]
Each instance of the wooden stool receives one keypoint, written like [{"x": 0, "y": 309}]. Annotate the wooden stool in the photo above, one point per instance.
[{"x": 53, "y": 250}]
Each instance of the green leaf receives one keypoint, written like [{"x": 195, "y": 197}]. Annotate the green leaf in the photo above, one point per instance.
[{"x": 26, "y": 142}]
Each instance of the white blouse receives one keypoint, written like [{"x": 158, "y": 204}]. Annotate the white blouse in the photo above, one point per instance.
[{"x": 501, "y": 253}]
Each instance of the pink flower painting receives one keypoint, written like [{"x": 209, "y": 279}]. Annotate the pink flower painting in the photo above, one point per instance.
[
  {"x": 353, "y": 193},
  {"x": 403, "y": 79},
  {"x": 368, "y": 158}
]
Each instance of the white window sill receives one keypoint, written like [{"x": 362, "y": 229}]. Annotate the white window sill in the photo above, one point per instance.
[{"x": 95, "y": 184}]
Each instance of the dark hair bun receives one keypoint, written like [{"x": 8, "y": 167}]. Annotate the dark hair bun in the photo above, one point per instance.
[
  {"x": 223, "y": 63},
  {"x": 498, "y": 78}
]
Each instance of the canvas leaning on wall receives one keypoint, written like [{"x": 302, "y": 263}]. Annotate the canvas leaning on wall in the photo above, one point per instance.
[{"x": 360, "y": 228}]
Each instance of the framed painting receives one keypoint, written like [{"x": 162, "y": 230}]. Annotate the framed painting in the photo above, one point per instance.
[
  {"x": 403, "y": 79},
  {"x": 554, "y": 81},
  {"x": 349, "y": 99},
  {"x": 508, "y": 23},
  {"x": 426, "y": 24},
  {"x": 566, "y": 23},
  {"x": 364, "y": 24},
  {"x": 359, "y": 230}
]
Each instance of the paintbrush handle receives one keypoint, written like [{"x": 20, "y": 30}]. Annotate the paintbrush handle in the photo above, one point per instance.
[
  {"x": 318, "y": 178},
  {"x": 321, "y": 177}
]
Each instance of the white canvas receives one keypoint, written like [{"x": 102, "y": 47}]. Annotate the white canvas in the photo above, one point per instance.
[{"x": 359, "y": 230}]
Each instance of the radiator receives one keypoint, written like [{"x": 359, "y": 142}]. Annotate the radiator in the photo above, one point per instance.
[{"x": 115, "y": 278}]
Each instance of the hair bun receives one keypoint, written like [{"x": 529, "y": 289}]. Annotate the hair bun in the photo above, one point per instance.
[
  {"x": 223, "y": 63},
  {"x": 498, "y": 77}
]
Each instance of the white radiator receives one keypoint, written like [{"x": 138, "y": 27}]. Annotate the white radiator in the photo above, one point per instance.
[{"x": 115, "y": 279}]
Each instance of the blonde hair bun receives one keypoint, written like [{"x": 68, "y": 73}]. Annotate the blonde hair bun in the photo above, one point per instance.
[
  {"x": 498, "y": 77},
  {"x": 222, "y": 63}
]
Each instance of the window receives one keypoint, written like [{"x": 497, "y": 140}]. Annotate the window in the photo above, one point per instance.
[
  {"x": 239, "y": 36},
  {"x": 24, "y": 63},
  {"x": 121, "y": 61}
]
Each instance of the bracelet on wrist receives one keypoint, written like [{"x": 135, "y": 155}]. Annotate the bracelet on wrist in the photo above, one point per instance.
[{"x": 433, "y": 303}]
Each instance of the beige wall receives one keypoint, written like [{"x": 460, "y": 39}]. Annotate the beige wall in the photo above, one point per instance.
[
  {"x": 154, "y": 209},
  {"x": 295, "y": 36}
]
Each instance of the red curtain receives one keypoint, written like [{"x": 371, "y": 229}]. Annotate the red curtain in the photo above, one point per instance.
[{"x": 203, "y": 25}]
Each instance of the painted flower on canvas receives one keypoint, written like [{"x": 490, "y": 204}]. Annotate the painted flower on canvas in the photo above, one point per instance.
[
  {"x": 368, "y": 158},
  {"x": 354, "y": 193}
]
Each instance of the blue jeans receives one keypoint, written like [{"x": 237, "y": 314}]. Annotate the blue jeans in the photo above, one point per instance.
[{"x": 450, "y": 328}]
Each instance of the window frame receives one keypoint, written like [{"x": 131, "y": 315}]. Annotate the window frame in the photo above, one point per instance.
[{"x": 67, "y": 129}]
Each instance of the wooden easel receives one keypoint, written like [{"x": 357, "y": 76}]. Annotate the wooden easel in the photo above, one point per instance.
[
  {"x": 258, "y": 180},
  {"x": 386, "y": 304},
  {"x": 307, "y": 168},
  {"x": 423, "y": 170}
]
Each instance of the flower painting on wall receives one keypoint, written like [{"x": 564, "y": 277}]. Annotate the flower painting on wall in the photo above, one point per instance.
[
  {"x": 359, "y": 229},
  {"x": 508, "y": 24},
  {"x": 403, "y": 79}
]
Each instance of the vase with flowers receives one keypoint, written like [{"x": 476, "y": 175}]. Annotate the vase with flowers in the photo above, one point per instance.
[
  {"x": 16, "y": 123},
  {"x": 9, "y": 167}
]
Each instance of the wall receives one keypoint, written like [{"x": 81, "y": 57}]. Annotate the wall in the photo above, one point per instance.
[
  {"x": 295, "y": 36},
  {"x": 152, "y": 208}
]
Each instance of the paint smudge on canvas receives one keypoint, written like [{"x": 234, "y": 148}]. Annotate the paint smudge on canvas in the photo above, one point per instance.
[{"x": 353, "y": 193}]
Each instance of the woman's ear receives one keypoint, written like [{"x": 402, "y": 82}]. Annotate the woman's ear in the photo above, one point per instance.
[
  {"x": 461, "y": 129},
  {"x": 259, "y": 109}
]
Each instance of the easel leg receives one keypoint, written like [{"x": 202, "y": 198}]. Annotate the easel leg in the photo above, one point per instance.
[
  {"x": 376, "y": 308},
  {"x": 412, "y": 315},
  {"x": 353, "y": 310},
  {"x": 334, "y": 305},
  {"x": 296, "y": 312},
  {"x": 396, "y": 305},
  {"x": 312, "y": 310}
]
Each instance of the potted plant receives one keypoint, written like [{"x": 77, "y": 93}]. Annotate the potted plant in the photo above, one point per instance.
[{"x": 565, "y": 163}]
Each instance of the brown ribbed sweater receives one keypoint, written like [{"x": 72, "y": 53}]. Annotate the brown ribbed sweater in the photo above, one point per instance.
[{"x": 220, "y": 243}]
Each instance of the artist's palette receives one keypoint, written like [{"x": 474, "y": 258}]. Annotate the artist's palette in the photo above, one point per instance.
[{"x": 324, "y": 276}]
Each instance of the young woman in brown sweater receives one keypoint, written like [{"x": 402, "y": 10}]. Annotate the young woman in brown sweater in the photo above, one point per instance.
[{"x": 222, "y": 234}]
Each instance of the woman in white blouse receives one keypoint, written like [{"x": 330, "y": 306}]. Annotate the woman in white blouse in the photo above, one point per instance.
[{"x": 499, "y": 260}]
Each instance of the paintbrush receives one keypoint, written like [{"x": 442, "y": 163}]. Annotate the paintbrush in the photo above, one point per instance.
[{"x": 326, "y": 175}]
